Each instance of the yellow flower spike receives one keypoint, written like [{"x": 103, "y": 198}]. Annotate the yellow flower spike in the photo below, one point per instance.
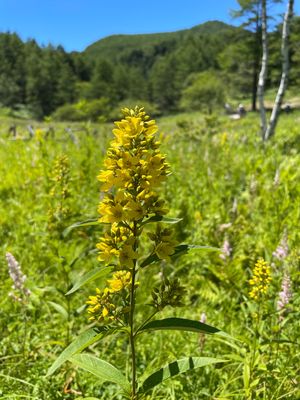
[
  {"x": 260, "y": 280},
  {"x": 133, "y": 168}
]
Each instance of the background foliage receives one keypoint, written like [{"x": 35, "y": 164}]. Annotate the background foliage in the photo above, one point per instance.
[{"x": 156, "y": 68}]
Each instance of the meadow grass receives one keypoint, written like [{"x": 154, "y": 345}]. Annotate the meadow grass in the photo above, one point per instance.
[{"x": 226, "y": 185}]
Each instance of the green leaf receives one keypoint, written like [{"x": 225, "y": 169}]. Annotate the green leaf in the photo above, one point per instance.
[
  {"x": 175, "y": 368},
  {"x": 160, "y": 218},
  {"x": 84, "y": 340},
  {"x": 15, "y": 379},
  {"x": 100, "y": 368},
  {"x": 184, "y": 248},
  {"x": 181, "y": 324},
  {"x": 82, "y": 255},
  {"x": 150, "y": 260},
  {"x": 59, "y": 308},
  {"x": 178, "y": 250},
  {"x": 89, "y": 277},
  {"x": 87, "y": 222}
]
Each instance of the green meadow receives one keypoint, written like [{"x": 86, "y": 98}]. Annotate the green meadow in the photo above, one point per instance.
[{"x": 229, "y": 190}]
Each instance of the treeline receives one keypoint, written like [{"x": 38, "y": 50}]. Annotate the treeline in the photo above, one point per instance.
[{"x": 181, "y": 70}]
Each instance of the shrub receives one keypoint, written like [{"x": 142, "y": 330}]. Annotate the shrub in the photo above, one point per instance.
[
  {"x": 85, "y": 110},
  {"x": 205, "y": 91}
]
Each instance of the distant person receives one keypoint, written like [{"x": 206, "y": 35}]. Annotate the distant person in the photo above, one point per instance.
[
  {"x": 287, "y": 108},
  {"x": 13, "y": 131},
  {"x": 241, "y": 110}
]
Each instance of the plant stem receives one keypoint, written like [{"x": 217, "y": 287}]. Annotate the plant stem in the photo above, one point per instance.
[
  {"x": 132, "y": 338},
  {"x": 131, "y": 322},
  {"x": 256, "y": 338},
  {"x": 25, "y": 332}
]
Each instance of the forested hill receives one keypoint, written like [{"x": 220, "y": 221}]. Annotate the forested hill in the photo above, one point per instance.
[
  {"x": 164, "y": 71},
  {"x": 115, "y": 47}
]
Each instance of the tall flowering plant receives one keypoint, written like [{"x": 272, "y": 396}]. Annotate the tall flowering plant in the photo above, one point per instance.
[{"x": 132, "y": 211}]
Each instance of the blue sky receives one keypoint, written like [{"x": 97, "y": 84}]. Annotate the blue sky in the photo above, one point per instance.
[{"x": 77, "y": 23}]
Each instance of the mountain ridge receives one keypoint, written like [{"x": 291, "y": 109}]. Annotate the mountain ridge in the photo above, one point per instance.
[{"x": 108, "y": 46}]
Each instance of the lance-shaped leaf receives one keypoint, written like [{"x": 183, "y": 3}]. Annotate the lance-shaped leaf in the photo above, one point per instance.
[
  {"x": 87, "y": 222},
  {"x": 181, "y": 324},
  {"x": 84, "y": 340},
  {"x": 161, "y": 218},
  {"x": 60, "y": 309},
  {"x": 89, "y": 277},
  {"x": 101, "y": 369},
  {"x": 175, "y": 368},
  {"x": 178, "y": 250},
  {"x": 83, "y": 254}
]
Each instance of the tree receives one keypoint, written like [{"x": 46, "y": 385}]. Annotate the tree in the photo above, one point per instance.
[
  {"x": 102, "y": 80},
  {"x": 285, "y": 71},
  {"x": 205, "y": 91},
  {"x": 236, "y": 63},
  {"x": 264, "y": 65},
  {"x": 294, "y": 77},
  {"x": 33, "y": 86},
  {"x": 165, "y": 86},
  {"x": 12, "y": 85},
  {"x": 252, "y": 11}
]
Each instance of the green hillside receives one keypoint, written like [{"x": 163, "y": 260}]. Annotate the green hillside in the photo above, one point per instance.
[{"x": 113, "y": 47}]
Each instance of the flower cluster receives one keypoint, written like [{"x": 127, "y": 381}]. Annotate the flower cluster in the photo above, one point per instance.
[
  {"x": 18, "y": 279},
  {"x": 170, "y": 293},
  {"x": 102, "y": 307},
  {"x": 134, "y": 170},
  {"x": 59, "y": 193},
  {"x": 226, "y": 250},
  {"x": 282, "y": 249},
  {"x": 135, "y": 167},
  {"x": 164, "y": 243},
  {"x": 286, "y": 294},
  {"x": 260, "y": 280}
]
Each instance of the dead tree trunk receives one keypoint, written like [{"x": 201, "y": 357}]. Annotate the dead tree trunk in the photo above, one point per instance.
[
  {"x": 263, "y": 71},
  {"x": 270, "y": 130}
]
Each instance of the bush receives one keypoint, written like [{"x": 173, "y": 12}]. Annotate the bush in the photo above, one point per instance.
[
  {"x": 205, "y": 91},
  {"x": 84, "y": 110}
]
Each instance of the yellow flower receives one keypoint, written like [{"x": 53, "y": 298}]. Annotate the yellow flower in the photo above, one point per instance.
[
  {"x": 260, "y": 280},
  {"x": 39, "y": 135},
  {"x": 127, "y": 256},
  {"x": 100, "y": 306},
  {"x": 164, "y": 250},
  {"x": 134, "y": 210},
  {"x": 198, "y": 216},
  {"x": 128, "y": 161},
  {"x": 121, "y": 280},
  {"x": 107, "y": 252},
  {"x": 111, "y": 213}
]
